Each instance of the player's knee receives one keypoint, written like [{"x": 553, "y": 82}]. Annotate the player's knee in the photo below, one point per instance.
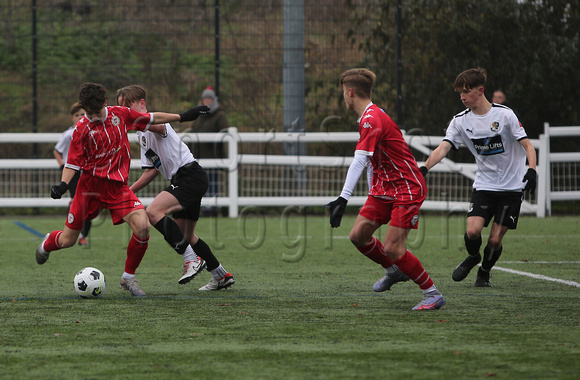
[
  {"x": 472, "y": 233},
  {"x": 494, "y": 242},
  {"x": 356, "y": 239},
  {"x": 153, "y": 215},
  {"x": 141, "y": 228}
]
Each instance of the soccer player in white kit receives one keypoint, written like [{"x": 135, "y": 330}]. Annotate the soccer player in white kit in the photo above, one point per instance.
[
  {"x": 497, "y": 140},
  {"x": 168, "y": 155}
]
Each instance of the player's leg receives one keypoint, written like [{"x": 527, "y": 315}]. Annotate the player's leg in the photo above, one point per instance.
[
  {"x": 405, "y": 217},
  {"x": 472, "y": 240},
  {"x": 376, "y": 212},
  {"x": 83, "y": 242},
  {"x": 164, "y": 203},
  {"x": 221, "y": 278},
  {"x": 79, "y": 208},
  {"x": 481, "y": 210},
  {"x": 507, "y": 211},
  {"x": 136, "y": 249},
  {"x": 54, "y": 241},
  {"x": 491, "y": 254}
]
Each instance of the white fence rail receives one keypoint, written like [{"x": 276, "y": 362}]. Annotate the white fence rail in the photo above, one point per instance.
[
  {"x": 266, "y": 179},
  {"x": 552, "y": 184}
]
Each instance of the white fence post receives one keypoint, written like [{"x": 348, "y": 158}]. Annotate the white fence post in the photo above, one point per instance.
[
  {"x": 233, "y": 171},
  {"x": 544, "y": 173}
]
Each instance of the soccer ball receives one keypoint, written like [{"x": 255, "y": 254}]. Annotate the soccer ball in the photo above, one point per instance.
[{"x": 89, "y": 282}]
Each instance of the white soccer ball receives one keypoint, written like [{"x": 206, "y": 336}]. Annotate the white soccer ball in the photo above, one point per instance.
[{"x": 89, "y": 282}]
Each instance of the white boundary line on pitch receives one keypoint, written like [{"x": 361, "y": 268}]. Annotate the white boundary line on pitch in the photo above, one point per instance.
[
  {"x": 538, "y": 276},
  {"x": 539, "y": 262}
]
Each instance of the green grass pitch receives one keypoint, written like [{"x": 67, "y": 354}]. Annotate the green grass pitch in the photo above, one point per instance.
[{"x": 302, "y": 306}]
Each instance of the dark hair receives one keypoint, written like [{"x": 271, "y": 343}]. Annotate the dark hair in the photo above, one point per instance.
[
  {"x": 130, "y": 94},
  {"x": 470, "y": 79},
  {"x": 76, "y": 107},
  {"x": 92, "y": 97},
  {"x": 361, "y": 81}
]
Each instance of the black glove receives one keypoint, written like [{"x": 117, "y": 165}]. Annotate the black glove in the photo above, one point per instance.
[
  {"x": 531, "y": 177},
  {"x": 193, "y": 113},
  {"x": 336, "y": 211},
  {"x": 57, "y": 191},
  {"x": 424, "y": 171}
]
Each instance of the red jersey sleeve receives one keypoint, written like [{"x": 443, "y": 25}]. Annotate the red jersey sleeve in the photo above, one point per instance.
[{"x": 134, "y": 121}]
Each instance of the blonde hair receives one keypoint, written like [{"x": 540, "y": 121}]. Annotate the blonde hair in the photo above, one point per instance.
[{"x": 360, "y": 80}]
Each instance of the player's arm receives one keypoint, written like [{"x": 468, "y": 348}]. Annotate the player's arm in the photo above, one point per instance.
[
  {"x": 160, "y": 129},
  {"x": 531, "y": 176},
  {"x": 530, "y": 152},
  {"x": 146, "y": 178},
  {"x": 337, "y": 206},
  {"x": 57, "y": 191},
  {"x": 189, "y": 115},
  {"x": 436, "y": 156},
  {"x": 58, "y": 157}
]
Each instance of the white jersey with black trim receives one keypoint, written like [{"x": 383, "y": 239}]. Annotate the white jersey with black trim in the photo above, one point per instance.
[
  {"x": 493, "y": 139},
  {"x": 170, "y": 150},
  {"x": 63, "y": 143}
]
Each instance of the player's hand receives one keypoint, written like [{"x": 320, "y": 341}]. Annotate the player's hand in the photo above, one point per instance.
[
  {"x": 193, "y": 113},
  {"x": 424, "y": 171},
  {"x": 531, "y": 177},
  {"x": 336, "y": 208},
  {"x": 57, "y": 191}
]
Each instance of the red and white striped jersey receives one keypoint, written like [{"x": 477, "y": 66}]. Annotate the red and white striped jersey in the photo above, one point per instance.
[
  {"x": 102, "y": 149},
  {"x": 395, "y": 171}
]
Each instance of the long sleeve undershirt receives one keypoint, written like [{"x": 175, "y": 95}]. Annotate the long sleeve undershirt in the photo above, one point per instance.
[{"x": 354, "y": 172}]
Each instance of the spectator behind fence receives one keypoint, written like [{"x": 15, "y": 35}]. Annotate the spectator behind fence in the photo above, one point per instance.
[
  {"x": 213, "y": 122},
  {"x": 499, "y": 97},
  {"x": 61, "y": 153}
]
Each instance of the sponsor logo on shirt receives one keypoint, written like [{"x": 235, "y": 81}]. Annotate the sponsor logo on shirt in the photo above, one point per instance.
[
  {"x": 366, "y": 125},
  {"x": 108, "y": 153},
  {"x": 488, "y": 146},
  {"x": 367, "y": 116}
]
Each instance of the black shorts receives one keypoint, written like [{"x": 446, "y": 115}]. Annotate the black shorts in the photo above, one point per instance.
[
  {"x": 189, "y": 185},
  {"x": 503, "y": 206}
]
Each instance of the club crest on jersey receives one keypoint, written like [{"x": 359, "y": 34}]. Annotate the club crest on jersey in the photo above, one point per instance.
[
  {"x": 414, "y": 220},
  {"x": 115, "y": 120},
  {"x": 71, "y": 218},
  {"x": 495, "y": 126},
  {"x": 143, "y": 141}
]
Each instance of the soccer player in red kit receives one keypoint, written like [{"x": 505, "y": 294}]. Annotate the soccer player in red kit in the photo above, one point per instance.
[
  {"x": 397, "y": 190},
  {"x": 100, "y": 147}
]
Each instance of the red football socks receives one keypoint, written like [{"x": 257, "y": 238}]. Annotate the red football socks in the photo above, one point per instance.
[
  {"x": 411, "y": 266},
  {"x": 135, "y": 252},
  {"x": 376, "y": 252}
]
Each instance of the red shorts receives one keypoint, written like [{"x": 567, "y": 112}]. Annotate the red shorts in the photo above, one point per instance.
[
  {"x": 94, "y": 194},
  {"x": 392, "y": 212}
]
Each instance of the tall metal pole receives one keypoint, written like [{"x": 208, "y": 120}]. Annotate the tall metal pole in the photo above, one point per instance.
[
  {"x": 217, "y": 48},
  {"x": 399, "y": 62},
  {"x": 34, "y": 81},
  {"x": 294, "y": 84}
]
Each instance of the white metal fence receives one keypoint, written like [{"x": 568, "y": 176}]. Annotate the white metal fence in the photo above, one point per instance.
[{"x": 271, "y": 178}]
